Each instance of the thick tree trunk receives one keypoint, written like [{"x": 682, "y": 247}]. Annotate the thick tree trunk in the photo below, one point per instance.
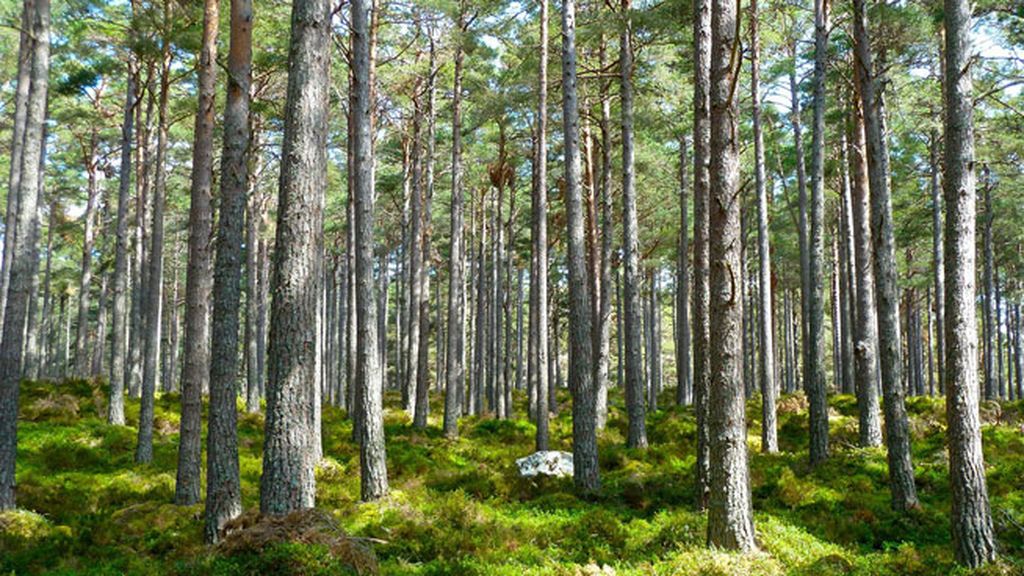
[
  {"x": 901, "y": 471},
  {"x": 223, "y": 492},
  {"x": 288, "y": 483},
  {"x": 701, "y": 186},
  {"x": 766, "y": 366},
  {"x": 973, "y": 539},
  {"x": 374, "y": 480},
  {"x": 730, "y": 514},
  {"x": 634, "y": 386}
]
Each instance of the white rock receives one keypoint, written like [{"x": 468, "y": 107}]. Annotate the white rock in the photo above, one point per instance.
[{"x": 548, "y": 463}]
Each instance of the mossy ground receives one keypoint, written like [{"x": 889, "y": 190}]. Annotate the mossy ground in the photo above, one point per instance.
[{"x": 458, "y": 507}]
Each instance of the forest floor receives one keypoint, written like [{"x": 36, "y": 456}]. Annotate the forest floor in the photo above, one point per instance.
[{"x": 459, "y": 507}]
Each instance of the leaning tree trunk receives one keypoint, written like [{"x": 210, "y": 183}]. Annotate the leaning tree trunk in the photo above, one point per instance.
[
  {"x": 23, "y": 256},
  {"x": 288, "y": 483},
  {"x": 374, "y": 480},
  {"x": 973, "y": 540},
  {"x": 701, "y": 185},
  {"x": 730, "y": 514},
  {"x": 539, "y": 284},
  {"x": 151, "y": 300},
  {"x": 897, "y": 435},
  {"x": 766, "y": 366},
  {"x": 581, "y": 350},
  {"x": 223, "y": 485},
  {"x": 634, "y": 385},
  {"x": 455, "y": 360},
  {"x": 198, "y": 281},
  {"x": 866, "y": 331}
]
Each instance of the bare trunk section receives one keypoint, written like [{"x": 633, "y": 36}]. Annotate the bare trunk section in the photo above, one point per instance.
[
  {"x": 897, "y": 435},
  {"x": 288, "y": 483},
  {"x": 973, "y": 539},
  {"x": 684, "y": 379},
  {"x": 223, "y": 492},
  {"x": 539, "y": 284},
  {"x": 730, "y": 514}
]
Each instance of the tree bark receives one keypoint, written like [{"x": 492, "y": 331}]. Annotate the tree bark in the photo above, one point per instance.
[
  {"x": 866, "y": 332},
  {"x": 374, "y": 481},
  {"x": 971, "y": 519},
  {"x": 701, "y": 185},
  {"x": 937, "y": 257},
  {"x": 684, "y": 378},
  {"x": 288, "y": 483},
  {"x": 88, "y": 244},
  {"x": 730, "y": 515},
  {"x": 634, "y": 385},
  {"x": 539, "y": 284},
  {"x": 223, "y": 492},
  {"x": 766, "y": 366},
  {"x": 901, "y": 471},
  {"x": 423, "y": 372},
  {"x": 22, "y": 262}
]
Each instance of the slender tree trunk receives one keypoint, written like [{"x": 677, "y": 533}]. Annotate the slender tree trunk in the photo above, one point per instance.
[
  {"x": 637, "y": 435},
  {"x": 374, "y": 481},
  {"x": 88, "y": 245},
  {"x": 937, "y": 257},
  {"x": 414, "y": 275},
  {"x": 989, "y": 289},
  {"x": 423, "y": 352},
  {"x": 604, "y": 297},
  {"x": 100, "y": 346},
  {"x": 288, "y": 483},
  {"x": 866, "y": 332},
  {"x": 684, "y": 378},
  {"x": 223, "y": 493},
  {"x": 766, "y": 366},
  {"x": 152, "y": 300},
  {"x": 253, "y": 375},
  {"x": 196, "y": 371},
  {"x": 539, "y": 288},
  {"x": 901, "y": 471},
  {"x": 40, "y": 353},
  {"x": 701, "y": 187},
  {"x": 973, "y": 539},
  {"x": 581, "y": 349},
  {"x": 847, "y": 288},
  {"x": 455, "y": 360},
  {"x": 115, "y": 413},
  {"x": 730, "y": 514}
]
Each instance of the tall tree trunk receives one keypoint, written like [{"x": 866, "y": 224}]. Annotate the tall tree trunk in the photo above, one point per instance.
[
  {"x": 423, "y": 352},
  {"x": 581, "y": 349},
  {"x": 539, "y": 283},
  {"x": 253, "y": 375},
  {"x": 766, "y": 366},
  {"x": 119, "y": 348},
  {"x": 223, "y": 492},
  {"x": 901, "y": 471},
  {"x": 40, "y": 355},
  {"x": 814, "y": 347},
  {"x": 801, "y": 179},
  {"x": 866, "y": 332},
  {"x": 198, "y": 281},
  {"x": 937, "y": 257},
  {"x": 415, "y": 246},
  {"x": 374, "y": 481},
  {"x": 23, "y": 255},
  {"x": 287, "y": 483},
  {"x": 100, "y": 345},
  {"x": 989, "y": 289},
  {"x": 88, "y": 244},
  {"x": 701, "y": 186},
  {"x": 604, "y": 317},
  {"x": 973, "y": 539},
  {"x": 847, "y": 288},
  {"x": 455, "y": 360},
  {"x": 152, "y": 301},
  {"x": 634, "y": 386},
  {"x": 730, "y": 514},
  {"x": 684, "y": 379}
]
